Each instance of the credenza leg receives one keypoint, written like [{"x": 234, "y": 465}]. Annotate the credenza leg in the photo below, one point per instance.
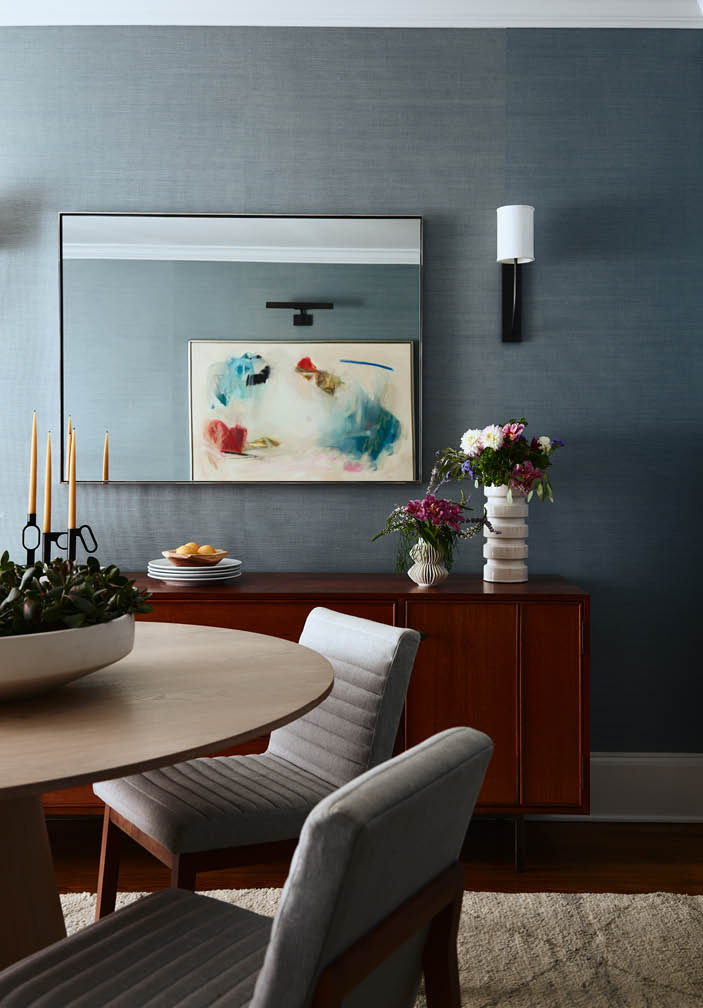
[{"x": 520, "y": 846}]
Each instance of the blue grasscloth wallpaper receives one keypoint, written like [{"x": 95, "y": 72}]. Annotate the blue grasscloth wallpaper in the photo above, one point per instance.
[{"x": 599, "y": 130}]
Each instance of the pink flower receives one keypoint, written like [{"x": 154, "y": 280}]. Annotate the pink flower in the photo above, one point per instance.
[
  {"x": 435, "y": 511},
  {"x": 523, "y": 476},
  {"x": 512, "y": 431}
]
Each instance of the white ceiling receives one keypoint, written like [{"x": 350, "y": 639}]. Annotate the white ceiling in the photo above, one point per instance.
[{"x": 360, "y": 13}]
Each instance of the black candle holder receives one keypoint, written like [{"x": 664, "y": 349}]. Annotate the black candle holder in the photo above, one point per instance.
[
  {"x": 31, "y": 537},
  {"x": 69, "y": 547}
]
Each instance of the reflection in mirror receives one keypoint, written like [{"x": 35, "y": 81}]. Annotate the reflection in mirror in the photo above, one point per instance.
[{"x": 168, "y": 343}]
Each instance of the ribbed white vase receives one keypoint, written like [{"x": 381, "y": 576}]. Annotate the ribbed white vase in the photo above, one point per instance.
[
  {"x": 505, "y": 550},
  {"x": 428, "y": 568}
]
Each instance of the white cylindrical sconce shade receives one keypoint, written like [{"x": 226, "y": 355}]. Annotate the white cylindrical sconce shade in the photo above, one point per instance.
[{"x": 516, "y": 234}]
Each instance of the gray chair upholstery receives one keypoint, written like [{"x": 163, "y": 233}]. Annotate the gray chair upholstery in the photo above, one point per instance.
[
  {"x": 215, "y": 803},
  {"x": 172, "y": 948},
  {"x": 363, "y": 851}
]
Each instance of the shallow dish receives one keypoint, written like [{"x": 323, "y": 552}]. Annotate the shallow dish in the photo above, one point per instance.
[
  {"x": 34, "y": 663},
  {"x": 194, "y": 559}
]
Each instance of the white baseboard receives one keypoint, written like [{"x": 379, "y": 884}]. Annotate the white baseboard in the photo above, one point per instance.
[{"x": 646, "y": 787}]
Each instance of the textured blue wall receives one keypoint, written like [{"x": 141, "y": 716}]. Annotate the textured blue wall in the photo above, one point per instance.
[{"x": 601, "y": 131}]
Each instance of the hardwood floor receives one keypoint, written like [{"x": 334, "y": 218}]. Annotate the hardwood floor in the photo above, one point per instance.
[{"x": 561, "y": 857}]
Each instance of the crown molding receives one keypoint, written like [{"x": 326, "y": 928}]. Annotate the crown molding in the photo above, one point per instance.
[
  {"x": 360, "y": 13},
  {"x": 241, "y": 253}
]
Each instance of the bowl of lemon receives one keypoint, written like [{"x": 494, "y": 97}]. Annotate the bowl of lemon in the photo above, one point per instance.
[{"x": 191, "y": 554}]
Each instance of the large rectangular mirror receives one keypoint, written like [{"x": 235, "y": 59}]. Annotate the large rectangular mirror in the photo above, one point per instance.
[{"x": 238, "y": 348}]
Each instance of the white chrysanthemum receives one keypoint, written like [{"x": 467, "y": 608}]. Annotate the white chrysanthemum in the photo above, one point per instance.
[
  {"x": 471, "y": 443},
  {"x": 492, "y": 437},
  {"x": 545, "y": 443}
]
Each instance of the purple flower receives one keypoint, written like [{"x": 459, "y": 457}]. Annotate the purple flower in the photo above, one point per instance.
[{"x": 467, "y": 469}]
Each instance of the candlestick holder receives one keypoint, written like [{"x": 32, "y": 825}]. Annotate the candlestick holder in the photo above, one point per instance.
[
  {"x": 75, "y": 534},
  {"x": 47, "y": 539},
  {"x": 71, "y": 542},
  {"x": 31, "y": 537}
]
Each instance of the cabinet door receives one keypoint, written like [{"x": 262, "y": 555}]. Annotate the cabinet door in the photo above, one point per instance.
[
  {"x": 552, "y": 729},
  {"x": 466, "y": 673}
]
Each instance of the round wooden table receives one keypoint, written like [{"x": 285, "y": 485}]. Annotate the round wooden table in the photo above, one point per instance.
[{"x": 184, "y": 691}]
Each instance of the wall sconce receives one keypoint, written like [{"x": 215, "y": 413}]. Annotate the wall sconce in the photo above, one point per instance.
[{"x": 515, "y": 246}]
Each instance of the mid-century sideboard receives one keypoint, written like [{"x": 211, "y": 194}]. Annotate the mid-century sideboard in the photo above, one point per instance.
[{"x": 511, "y": 660}]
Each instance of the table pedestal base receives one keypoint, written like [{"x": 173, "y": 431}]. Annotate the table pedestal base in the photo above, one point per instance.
[{"x": 31, "y": 917}]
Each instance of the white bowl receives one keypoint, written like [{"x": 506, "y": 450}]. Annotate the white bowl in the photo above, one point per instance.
[{"x": 33, "y": 663}]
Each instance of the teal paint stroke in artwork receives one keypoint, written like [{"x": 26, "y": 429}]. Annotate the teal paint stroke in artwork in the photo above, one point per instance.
[
  {"x": 368, "y": 429},
  {"x": 239, "y": 378}
]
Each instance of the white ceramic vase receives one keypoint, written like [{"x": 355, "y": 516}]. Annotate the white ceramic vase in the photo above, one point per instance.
[
  {"x": 428, "y": 568},
  {"x": 505, "y": 550},
  {"x": 33, "y": 663}
]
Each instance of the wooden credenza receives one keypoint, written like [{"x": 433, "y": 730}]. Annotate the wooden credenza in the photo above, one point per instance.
[{"x": 511, "y": 660}]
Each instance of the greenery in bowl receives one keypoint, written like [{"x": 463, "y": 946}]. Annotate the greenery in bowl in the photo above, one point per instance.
[{"x": 63, "y": 596}]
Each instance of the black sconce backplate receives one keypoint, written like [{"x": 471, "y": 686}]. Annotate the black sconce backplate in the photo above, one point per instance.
[{"x": 512, "y": 302}]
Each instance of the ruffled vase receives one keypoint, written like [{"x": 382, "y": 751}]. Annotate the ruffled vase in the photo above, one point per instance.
[
  {"x": 505, "y": 550},
  {"x": 428, "y": 568}
]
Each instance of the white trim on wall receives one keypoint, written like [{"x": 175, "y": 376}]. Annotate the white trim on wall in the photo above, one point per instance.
[
  {"x": 240, "y": 253},
  {"x": 645, "y": 787},
  {"x": 361, "y": 13}
]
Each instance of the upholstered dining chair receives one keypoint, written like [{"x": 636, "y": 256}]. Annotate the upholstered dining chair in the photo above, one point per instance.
[
  {"x": 372, "y": 901},
  {"x": 211, "y": 813}
]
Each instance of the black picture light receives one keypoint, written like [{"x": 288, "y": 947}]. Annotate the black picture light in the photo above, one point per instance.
[{"x": 302, "y": 308}]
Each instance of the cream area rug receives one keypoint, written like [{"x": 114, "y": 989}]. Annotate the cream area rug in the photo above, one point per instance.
[{"x": 548, "y": 950}]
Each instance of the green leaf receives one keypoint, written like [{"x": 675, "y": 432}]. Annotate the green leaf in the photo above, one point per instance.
[
  {"x": 75, "y": 621},
  {"x": 10, "y": 598},
  {"x": 29, "y": 575}
]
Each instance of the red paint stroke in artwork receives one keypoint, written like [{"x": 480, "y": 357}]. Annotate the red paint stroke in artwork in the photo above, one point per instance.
[
  {"x": 352, "y": 466},
  {"x": 228, "y": 440},
  {"x": 305, "y": 364}
]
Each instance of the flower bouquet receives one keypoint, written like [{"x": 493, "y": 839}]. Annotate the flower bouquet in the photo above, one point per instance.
[
  {"x": 499, "y": 456},
  {"x": 429, "y": 530}
]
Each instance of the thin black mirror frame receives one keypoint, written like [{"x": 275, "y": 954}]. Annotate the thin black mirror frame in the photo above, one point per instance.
[{"x": 417, "y": 355}]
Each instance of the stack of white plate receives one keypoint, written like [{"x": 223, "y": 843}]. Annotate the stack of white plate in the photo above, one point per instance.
[{"x": 225, "y": 570}]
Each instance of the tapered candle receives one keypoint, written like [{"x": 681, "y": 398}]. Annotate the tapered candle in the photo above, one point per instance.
[
  {"x": 68, "y": 444},
  {"x": 32, "y": 499},
  {"x": 46, "y": 527},
  {"x": 106, "y": 460},
  {"x": 72, "y": 484}
]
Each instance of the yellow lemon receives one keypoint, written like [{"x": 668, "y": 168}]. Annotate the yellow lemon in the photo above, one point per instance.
[
  {"x": 191, "y": 547},
  {"x": 207, "y": 549}
]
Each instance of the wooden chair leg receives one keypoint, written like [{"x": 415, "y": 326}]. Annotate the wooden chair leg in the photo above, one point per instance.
[
  {"x": 183, "y": 874},
  {"x": 110, "y": 852},
  {"x": 439, "y": 959}
]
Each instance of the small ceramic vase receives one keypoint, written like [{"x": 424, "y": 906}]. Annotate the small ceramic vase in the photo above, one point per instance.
[{"x": 428, "y": 568}]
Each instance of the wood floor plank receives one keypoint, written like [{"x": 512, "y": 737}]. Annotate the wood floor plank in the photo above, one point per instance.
[{"x": 561, "y": 857}]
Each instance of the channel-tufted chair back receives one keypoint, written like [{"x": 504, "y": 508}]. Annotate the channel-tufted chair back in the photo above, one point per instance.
[
  {"x": 355, "y": 727},
  {"x": 364, "y": 851}
]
